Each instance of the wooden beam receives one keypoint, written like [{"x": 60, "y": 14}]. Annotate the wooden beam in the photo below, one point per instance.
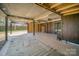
[
  {"x": 55, "y": 5},
  {"x": 52, "y": 10},
  {"x": 66, "y": 7},
  {"x": 44, "y": 15},
  {"x": 20, "y": 17},
  {"x": 3, "y": 9},
  {"x": 70, "y": 10},
  {"x": 74, "y": 12}
]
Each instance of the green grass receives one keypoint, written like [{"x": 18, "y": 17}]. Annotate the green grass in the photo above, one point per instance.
[{"x": 18, "y": 28}]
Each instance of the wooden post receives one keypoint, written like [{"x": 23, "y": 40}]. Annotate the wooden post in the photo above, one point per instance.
[
  {"x": 6, "y": 28},
  {"x": 38, "y": 27},
  {"x": 10, "y": 27},
  {"x": 33, "y": 27},
  {"x": 47, "y": 27},
  {"x": 28, "y": 27}
]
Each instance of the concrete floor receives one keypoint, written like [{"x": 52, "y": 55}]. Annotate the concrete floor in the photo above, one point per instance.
[
  {"x": 42, "y": 44},
  {"x": 2, "y": 39}
]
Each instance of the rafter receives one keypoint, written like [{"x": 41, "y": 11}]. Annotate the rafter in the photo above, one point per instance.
[
  {"x": 70, "y": 10},
  {"x": 66, "y": 7},
  {"x": 55, "y": 5},
  {"x": 52, "y": 10},
  {"x": 74, "y": 12}
]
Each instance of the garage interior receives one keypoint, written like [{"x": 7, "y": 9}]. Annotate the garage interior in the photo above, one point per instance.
[{"x": 55, "y": 25}]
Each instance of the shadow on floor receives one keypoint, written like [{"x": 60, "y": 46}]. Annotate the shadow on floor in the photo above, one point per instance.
[{"x": 2, "y": 43}]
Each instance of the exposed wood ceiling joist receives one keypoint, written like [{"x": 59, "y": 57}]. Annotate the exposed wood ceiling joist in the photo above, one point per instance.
[
  {"x": 55, "y": 5},
  {"x": 62, "y": 8},
  {"x": 66, "y": 7},
  {"x": 70, "y": 10},
  {"x": 52, "y": 10},
  {"x": 74, "y": 12},
  {"x": 37, "y": 11}
]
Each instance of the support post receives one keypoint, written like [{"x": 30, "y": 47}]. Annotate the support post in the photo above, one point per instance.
[
  {"x": 28, "y": 27},
  {"x": 38, "y": 27},
  {"x": 6, "y": 28},
  {"x": 11, "y": 27},
  {"x": 47, "y": 27},
  {"x": 34, "y": 27}
]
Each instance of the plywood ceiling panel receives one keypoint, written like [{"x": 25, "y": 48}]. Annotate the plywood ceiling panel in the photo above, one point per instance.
[
  {"x": 2, "y": 14},
  {"x": 27, "y": 10}
]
